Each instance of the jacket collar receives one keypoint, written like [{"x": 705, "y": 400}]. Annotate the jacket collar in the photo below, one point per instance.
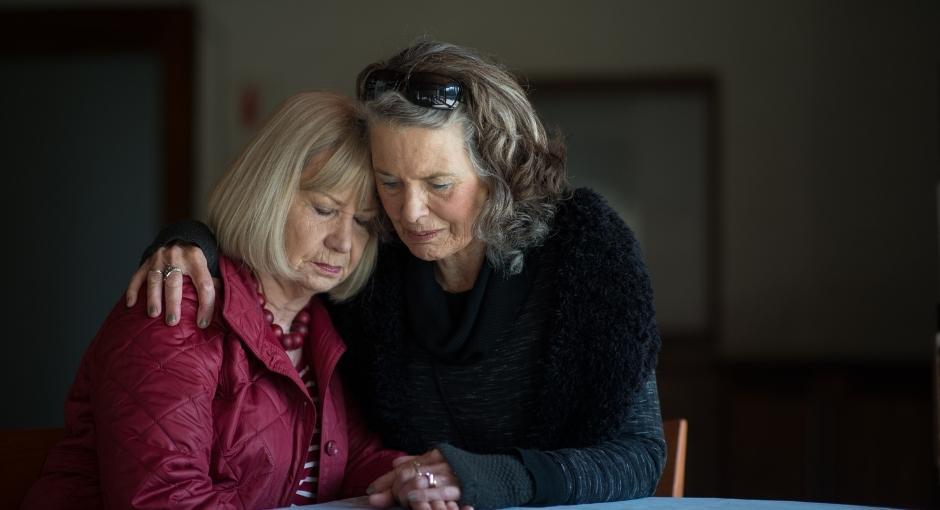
[{"x": 241, "y": 311}]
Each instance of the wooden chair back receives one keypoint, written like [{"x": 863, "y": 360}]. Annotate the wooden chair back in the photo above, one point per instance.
[
  {"x": 672, "y": 483},
  {"x": 23, "y": 452}
]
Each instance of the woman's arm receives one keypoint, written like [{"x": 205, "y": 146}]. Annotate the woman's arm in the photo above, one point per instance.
[
  {"x": 613, "y": 342},
  {"x": 626, "y": 466},
  {"x": 190, "y": 246},
  {"x": 153, "y": 390}
]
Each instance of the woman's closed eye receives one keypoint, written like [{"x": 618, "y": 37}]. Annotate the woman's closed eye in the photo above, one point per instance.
[
  {"x": 440, "y": 186},
  {"x": 389, "y": 184},
  {"x": 324, "y": 211},
  {"x": 362, "y": 220}
]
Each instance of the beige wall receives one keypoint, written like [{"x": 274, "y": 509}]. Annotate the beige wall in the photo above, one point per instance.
[{"x": 829, "y": 133}]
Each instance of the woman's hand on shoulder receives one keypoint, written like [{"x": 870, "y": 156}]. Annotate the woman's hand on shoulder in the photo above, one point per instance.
[
  {"x": 424, "y": 482},
  {"x": 163, "y": 273}
]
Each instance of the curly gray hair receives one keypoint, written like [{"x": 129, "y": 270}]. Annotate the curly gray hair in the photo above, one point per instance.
[{"x": 522, "y": 166}]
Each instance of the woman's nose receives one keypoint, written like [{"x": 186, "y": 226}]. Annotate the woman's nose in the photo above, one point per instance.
[
  {"x": 415, "y": 205},
  {"x": 340, "y": 237}
]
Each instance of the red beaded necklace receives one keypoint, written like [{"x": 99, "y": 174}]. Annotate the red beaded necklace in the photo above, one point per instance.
[{"x": 298, "y": 328}]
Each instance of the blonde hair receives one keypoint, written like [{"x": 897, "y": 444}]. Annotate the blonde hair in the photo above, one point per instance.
[{"x": 248, "y": 209}]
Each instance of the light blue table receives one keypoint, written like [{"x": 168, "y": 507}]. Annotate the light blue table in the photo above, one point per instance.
[{"x": 647, "y": 504}]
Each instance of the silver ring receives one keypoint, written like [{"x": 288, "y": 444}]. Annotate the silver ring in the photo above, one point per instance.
[
  {"x": 168, "y": 270},
  {"x": 432, "y": 483}
]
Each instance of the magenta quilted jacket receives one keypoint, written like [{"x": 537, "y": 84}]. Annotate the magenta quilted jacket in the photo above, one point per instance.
[{"x": 180, "y": 417}]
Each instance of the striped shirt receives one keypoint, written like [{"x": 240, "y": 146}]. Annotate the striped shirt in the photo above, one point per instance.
[{"x": 306, "y": 493}]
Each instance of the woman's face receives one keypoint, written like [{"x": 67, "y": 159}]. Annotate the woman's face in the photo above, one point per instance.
[
  {"x": 326, "y": 232},
  {"x": 427, "y": 186}
]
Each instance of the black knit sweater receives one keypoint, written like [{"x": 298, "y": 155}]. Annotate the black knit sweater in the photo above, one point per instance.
[
  {"x": 551, "y": 396},
  {"x": 566, "y": 391}
]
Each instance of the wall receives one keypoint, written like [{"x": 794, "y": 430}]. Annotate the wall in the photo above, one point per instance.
[
  {"x": 829, "y": 133},
  {"x": 62, "y": 237},
  {"x": 828, "y": 137}
]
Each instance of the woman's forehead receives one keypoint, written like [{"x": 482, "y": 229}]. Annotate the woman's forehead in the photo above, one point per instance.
[
  {"x": 359, "y": 196},
  {"x": 418, "y": 150},
  {"x": 400, "y": 135}
]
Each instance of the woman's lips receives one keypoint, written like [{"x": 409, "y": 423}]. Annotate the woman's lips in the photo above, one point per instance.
[
  {"x": 328, "y": 269},
  {"x": 422, "y": 236}
]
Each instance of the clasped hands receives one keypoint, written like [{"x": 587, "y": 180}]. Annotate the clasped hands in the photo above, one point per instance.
[{"x": 423, "y": 482}]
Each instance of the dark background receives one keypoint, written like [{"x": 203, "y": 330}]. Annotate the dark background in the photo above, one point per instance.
[{"x": 779, "y": 161}]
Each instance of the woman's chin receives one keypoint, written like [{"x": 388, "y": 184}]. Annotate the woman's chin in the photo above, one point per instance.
[
  {"x": 317, "y": 284},
  {"x": 424, "y": 253}
]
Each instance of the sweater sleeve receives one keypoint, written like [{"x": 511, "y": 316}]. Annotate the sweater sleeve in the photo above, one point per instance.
[
  {"x": 188, "y": 232},
  {"x": 616, "y": 448},
  {"x": 488, "y": 480},
  {"x": 627, "y": 466}
]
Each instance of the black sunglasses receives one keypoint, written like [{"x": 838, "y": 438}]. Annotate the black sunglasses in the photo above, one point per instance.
[{"x": 424, "y": 89}]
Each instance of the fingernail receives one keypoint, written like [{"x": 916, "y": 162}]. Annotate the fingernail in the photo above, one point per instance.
[
  {"x": 170, "y": 319},
  {"x": 370, "y": 490},
  {"x": 152, "y": 311},
  {"x": 413, "y": 496},
  {"x": 203, "y": 323}
]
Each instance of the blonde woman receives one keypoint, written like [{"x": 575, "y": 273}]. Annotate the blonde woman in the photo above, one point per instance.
[{"x": 245, "y": 409}]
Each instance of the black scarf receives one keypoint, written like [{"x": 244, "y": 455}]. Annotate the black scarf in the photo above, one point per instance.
[{"x": 488, "y": 309}]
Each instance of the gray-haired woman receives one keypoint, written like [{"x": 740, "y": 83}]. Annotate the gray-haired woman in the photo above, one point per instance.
[{"x": 508, "y": 331}]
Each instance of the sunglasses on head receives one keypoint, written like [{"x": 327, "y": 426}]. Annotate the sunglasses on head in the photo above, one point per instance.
[{"x": 424, "y": 89}]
